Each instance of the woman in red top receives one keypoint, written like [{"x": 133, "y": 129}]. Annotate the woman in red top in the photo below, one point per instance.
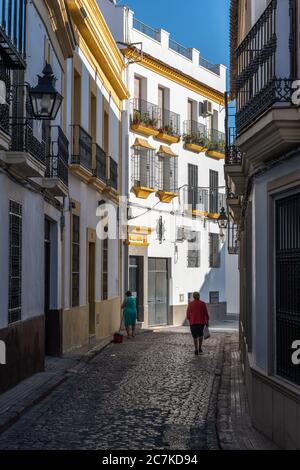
[{"x": 197, "y": 316}]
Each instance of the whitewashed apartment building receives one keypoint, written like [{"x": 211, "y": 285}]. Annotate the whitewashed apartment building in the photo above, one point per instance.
[{"x": 174, "y": 170}]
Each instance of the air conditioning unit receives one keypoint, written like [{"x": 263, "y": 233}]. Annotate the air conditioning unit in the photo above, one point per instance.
[{"x": 207, "y": 108}]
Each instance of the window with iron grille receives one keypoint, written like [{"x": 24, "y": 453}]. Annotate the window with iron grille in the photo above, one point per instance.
[
  {"x": 214, "y": 297},
  {"x": 75, "y": 260},
  {"x": 144, "y": 162},
  {"x": 105, "y": 269},
  {"x": 287, "y": 272},
  {"x": 167, "y": 173},
  {"x": 194, "y": 250},
  {"x": 214, "y": 250},
  {"x": 15, "y": 262}
]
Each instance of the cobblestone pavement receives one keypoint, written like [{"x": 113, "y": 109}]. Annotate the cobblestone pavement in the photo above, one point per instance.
[{"x": 148, "y": 393}]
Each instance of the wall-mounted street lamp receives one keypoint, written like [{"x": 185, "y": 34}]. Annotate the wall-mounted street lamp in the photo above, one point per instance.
[
  {"x": 222, "y": 223},
  {"x": 45, "y": 99}
]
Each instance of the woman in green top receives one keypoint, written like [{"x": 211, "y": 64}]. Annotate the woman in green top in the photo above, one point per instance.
[{"x": 130, "y": 313}]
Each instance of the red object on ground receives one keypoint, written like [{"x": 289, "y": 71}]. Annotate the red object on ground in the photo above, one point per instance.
[
  {"x": 118, "y": 338},
  {"x": 197, "y": 313}
]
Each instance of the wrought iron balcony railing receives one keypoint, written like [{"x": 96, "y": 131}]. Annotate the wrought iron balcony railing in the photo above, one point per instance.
[
  {"x": 82, "y": 148},
  {"x": 147, "y": 30},
  {"x": 24, "y": 140},
  {"x": 144, "y": 113},
  {"x": 57, "y": 161},
  {"x": 195, "y": 199},
  {"x": 216, "y": 141},
  {"x": 113, "y": 174},
  {"x": 195, "y": 133},
  {"x": 260, "y": 84},
  {"x": 168, "y": 122},
  {"x": 216, "y": 201},
  {"x": 100, "y": 171},
  {"x": 233, "y": 155},
  {"x": 12, "y": 32},
  {"x": 4, "y": 97}
]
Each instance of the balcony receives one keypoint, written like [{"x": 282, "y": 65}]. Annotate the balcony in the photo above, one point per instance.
[
  {"x": 56, "y": 179},
  {"x": 234, "y": 167},
  {"x": 143, "y": 169},
  {"x": 113, "y": 174},
  {"x": 216, "y": 144},
  {"x": 169, "y": 127},
  {"x": 216, "y": 202},
  {"x": 144, "y": 118},
  {"x": 267, "y": 122},
  {"x": 82, "y": 155},
  {"x": 99, "y": 180},
  {"x": 167, "y": 174},
  {"x": 195, "y": 201},
  {"x": 12, "y": 32},
  {"x": 27, "y": 154},
  {"x": 195, "y": 137}
]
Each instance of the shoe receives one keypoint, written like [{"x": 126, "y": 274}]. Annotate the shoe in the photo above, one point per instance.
[
  {"x": 196, "y": 352},
  {"x": 200, "y": 351}
]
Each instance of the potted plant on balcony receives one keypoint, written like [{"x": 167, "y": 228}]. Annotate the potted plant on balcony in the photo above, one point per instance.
[
  {"x": 144, "y": 124},
  {"x": 216, "y": 149},
  {"x": 195, "y": 142},
  {"x": 168, "y": 134}
]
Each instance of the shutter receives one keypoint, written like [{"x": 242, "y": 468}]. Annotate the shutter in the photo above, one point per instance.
[{"x": 213, "y": 192}]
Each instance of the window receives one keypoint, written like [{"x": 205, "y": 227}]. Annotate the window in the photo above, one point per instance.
[
  {"x": 143, "y": 171},
  {"x": 137, "y": 88},
  {"x": 213, "y": 192},
  {"x": 193, "y": 250},
  {"x": 106, "y": 132},
  {"x": 75, "y": 260},
  {"x": 192, "y": 185},
  {"x": 105, "y": 269},
  {"x": 15, "y": 262},
  {"x": 214, "y": 297},
  {"x": 287, "y": 272},
  {"x": 214, "y": 253}
]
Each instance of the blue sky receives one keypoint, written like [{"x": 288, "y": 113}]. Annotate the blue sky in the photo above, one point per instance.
[{"x": 203, "y": 24}]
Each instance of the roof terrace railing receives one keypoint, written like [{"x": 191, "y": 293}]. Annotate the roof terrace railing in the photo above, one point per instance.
[
  {"x": 215, "y": 68},
  {"x": 147, "y": 30},
  {"x": 174, "y": 46}
]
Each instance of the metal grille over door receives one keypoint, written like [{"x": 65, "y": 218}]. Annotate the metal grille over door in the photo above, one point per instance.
[
  {"x": 158, "y": 291},
  {"x": 287, "y": 284}
]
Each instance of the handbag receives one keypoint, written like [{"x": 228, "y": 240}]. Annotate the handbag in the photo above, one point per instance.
[{"x": 206, "y": 332}]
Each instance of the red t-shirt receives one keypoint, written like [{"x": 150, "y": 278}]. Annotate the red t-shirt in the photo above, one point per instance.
[{"x": 197, "y": 313}]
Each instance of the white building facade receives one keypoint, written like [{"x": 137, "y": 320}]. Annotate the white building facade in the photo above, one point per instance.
[
  {"x": 61, "y": 281},
  {"x": 263, "y": 176},
  {"x": 175, "y": 174}
]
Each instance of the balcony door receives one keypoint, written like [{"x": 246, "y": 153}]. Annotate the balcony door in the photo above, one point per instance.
[
  {"x": 213, "y": 191},
  {"x": 161, "y": 105},
  {"x": 192, "y": 185},
  {"x": 137, "y": 93}
]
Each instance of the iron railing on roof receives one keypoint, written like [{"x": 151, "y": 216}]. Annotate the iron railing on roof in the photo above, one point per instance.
[
  {"x": 174, "y": 46},
  {"x": 215, "y": 68},
  {"x": 147, "y": 30}
]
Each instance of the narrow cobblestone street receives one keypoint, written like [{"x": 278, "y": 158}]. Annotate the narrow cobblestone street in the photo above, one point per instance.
[{"x": 147, "y": 393}]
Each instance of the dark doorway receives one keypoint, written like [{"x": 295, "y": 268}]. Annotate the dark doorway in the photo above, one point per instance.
[
  {"x": 136, "y": 283},
  {"x": 91, "y": 288},
  {"x": 47, "y": 251}
]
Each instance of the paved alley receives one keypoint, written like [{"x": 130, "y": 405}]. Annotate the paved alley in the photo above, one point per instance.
[{"x": 148, "y": 393}]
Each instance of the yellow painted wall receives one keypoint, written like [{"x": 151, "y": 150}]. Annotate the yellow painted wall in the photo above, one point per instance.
[
  {"x": 75, "y": 328},
  {"x": 108, "y": 317}
]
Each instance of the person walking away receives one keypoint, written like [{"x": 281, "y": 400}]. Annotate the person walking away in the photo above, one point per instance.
[
  {"x": 198, "y": 317},
  {"x": 130, "y": 314}
]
